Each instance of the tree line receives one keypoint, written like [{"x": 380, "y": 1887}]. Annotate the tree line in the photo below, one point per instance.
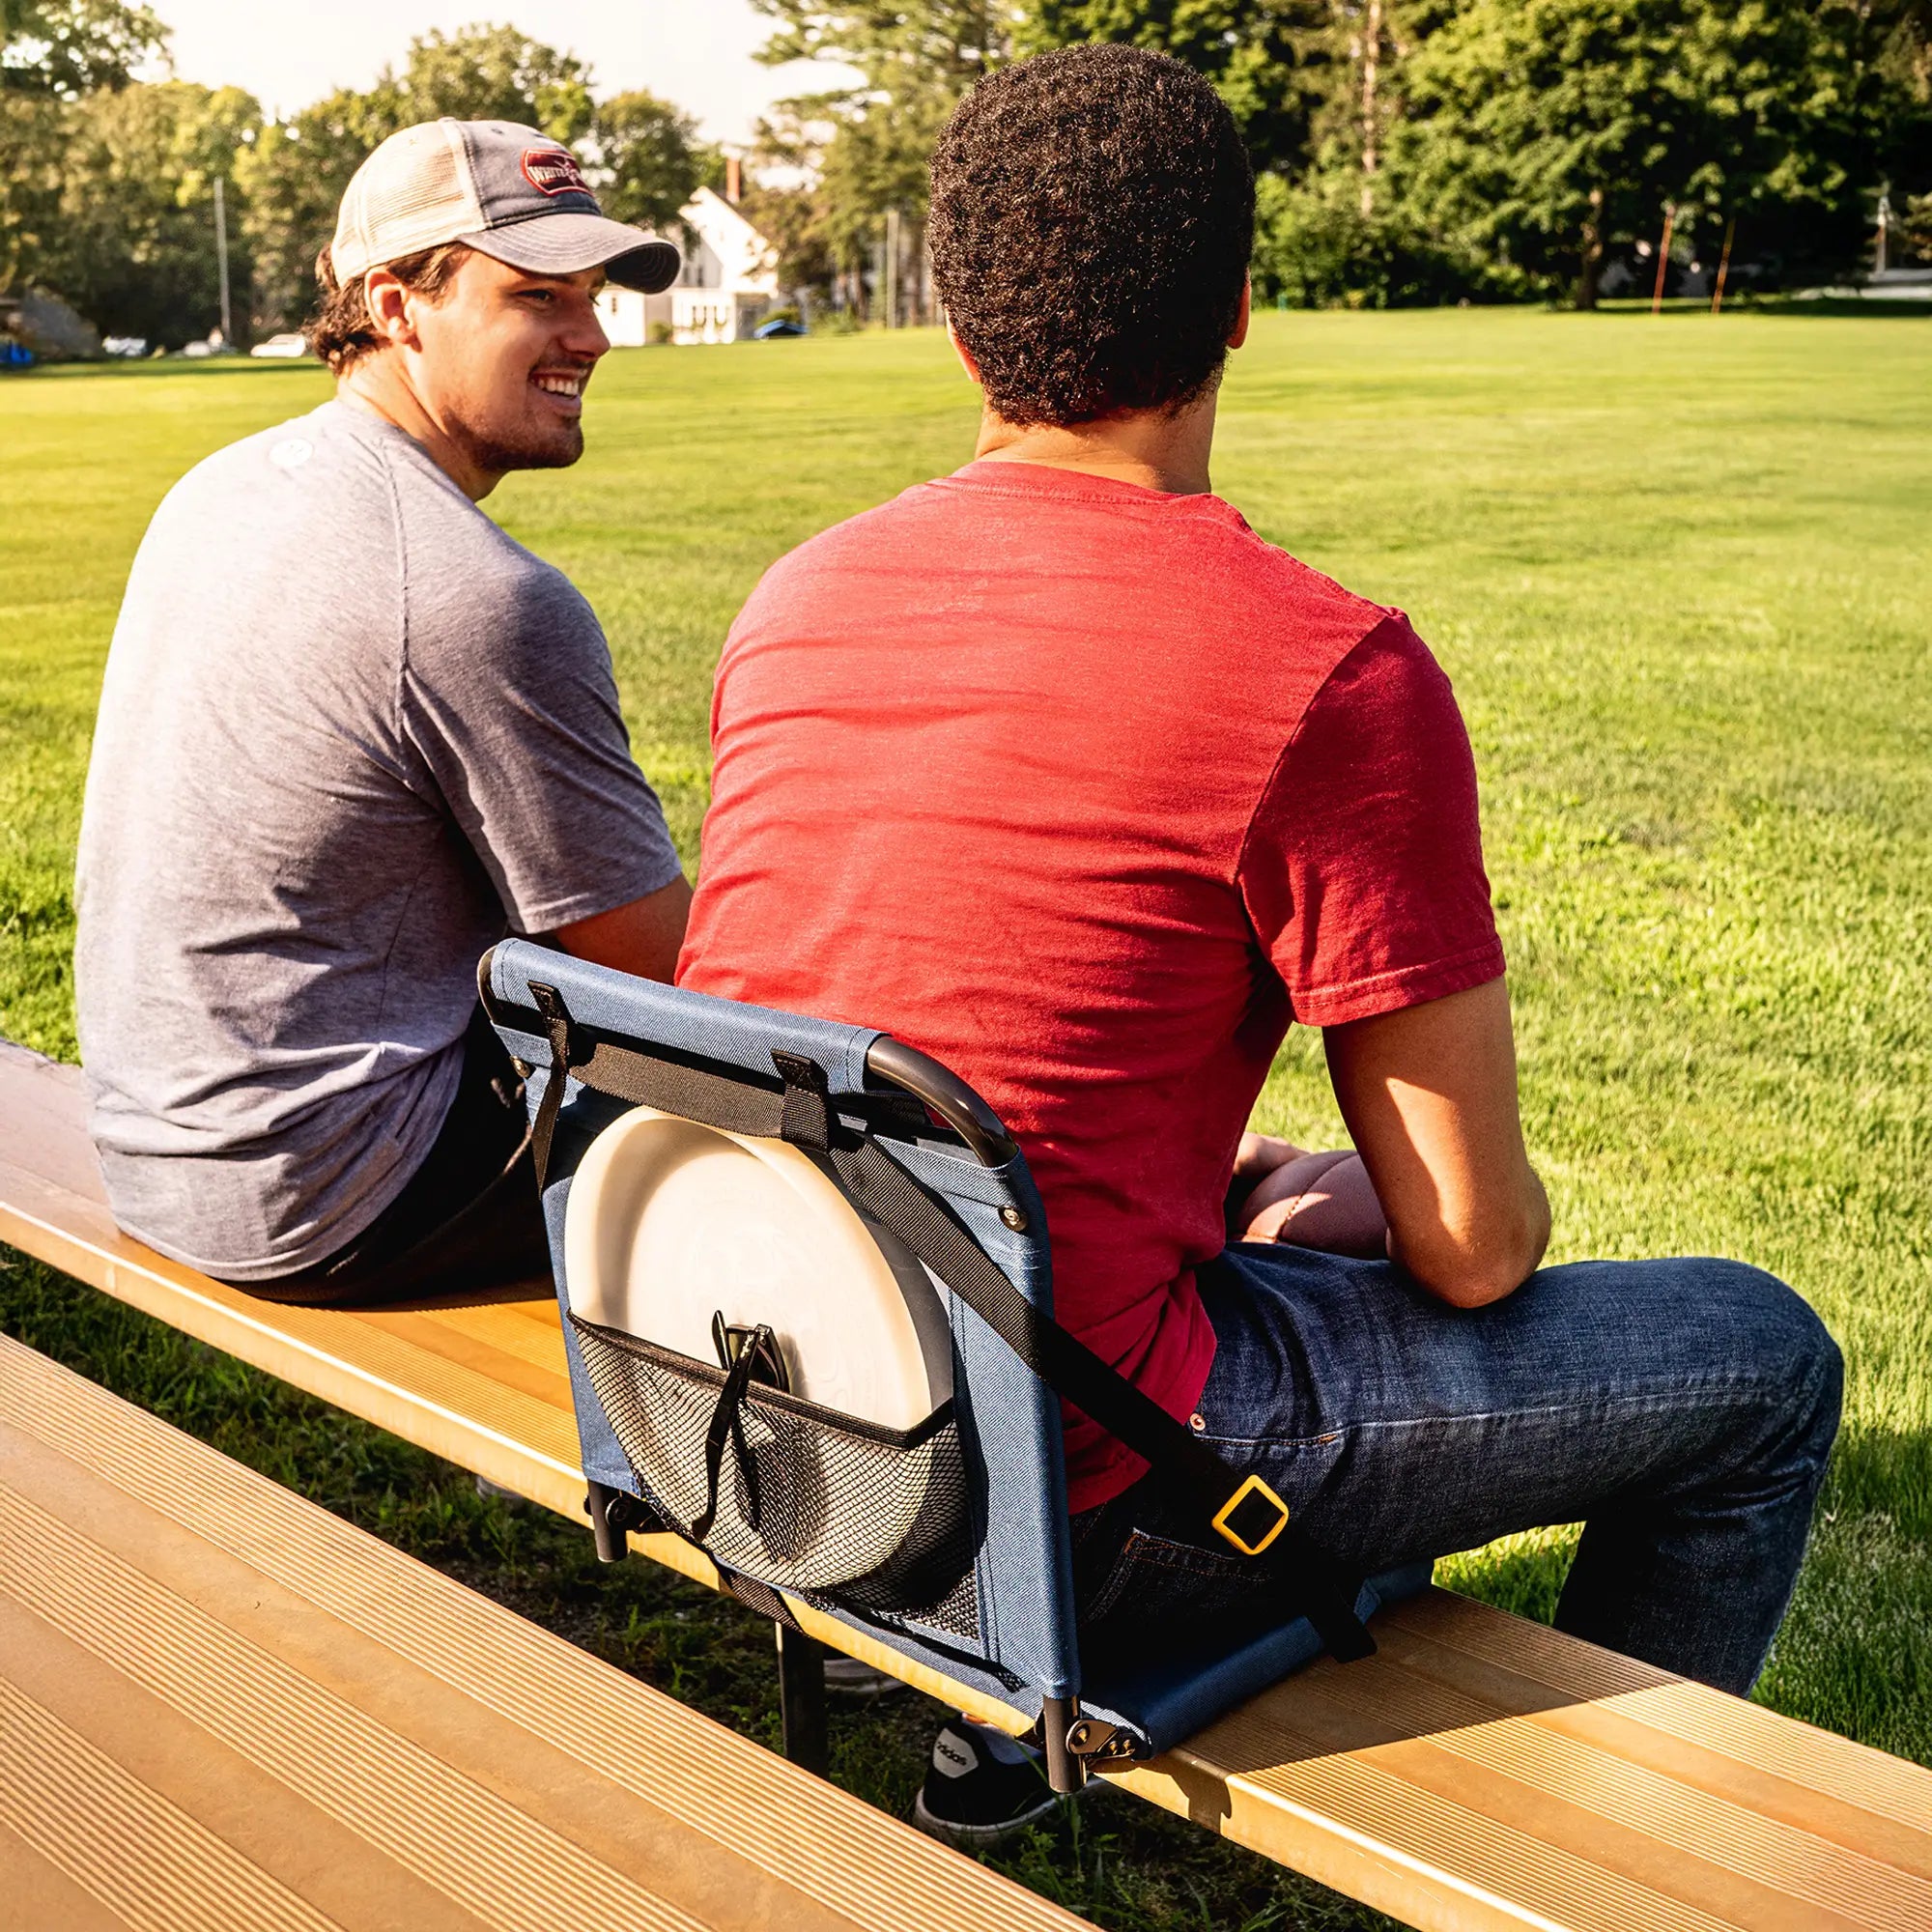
[
  {"x": 107, "y": 182},
  {"x": 1408, "y": 150},
  {"x": 1419, "y": 151}
]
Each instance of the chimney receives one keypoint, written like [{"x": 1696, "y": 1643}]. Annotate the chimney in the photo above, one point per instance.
[{"x": 734, "y": 180}]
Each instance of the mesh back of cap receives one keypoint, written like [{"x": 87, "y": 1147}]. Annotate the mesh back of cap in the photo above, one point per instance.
[{"x": 413, "y": 192}]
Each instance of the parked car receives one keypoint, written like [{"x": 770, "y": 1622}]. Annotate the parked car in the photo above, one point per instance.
[
  {"x": 780, "y": 325},
  {"x": 290, "y": 344}
]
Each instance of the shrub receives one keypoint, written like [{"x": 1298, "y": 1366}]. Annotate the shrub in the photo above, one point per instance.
[{"x": 1315, "y": 248}]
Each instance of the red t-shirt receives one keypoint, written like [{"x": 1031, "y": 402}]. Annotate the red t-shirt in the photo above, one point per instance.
[{"x": 1088, "y": 792}]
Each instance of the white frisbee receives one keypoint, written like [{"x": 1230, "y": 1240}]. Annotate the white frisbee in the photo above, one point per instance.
[{"x": 669, "y": 1222}]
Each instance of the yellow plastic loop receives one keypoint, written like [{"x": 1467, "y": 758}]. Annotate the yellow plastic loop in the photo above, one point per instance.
[{"x": 1253, "y": 1487}]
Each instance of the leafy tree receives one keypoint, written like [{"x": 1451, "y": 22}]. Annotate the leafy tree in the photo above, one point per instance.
[
  {"x": 53, "y": 52},
  {"x": 67, "y": 49},
  {"x": 1899, "y": 73},
  {"x": 1316, "y": 245},
  {"x": 1278, "y": 63},
  {"x": 136, "y": 252},
  {"x": 1915, "y": 223},
  {"x": 649, "y": 158},
  {"x": 32, "y": 128},
  {"x": 294, "y": 176},
  {"x": 914, "y": 61},
  {"x": 292, "y": 181},
  {"x": 494, "y": 74},
  {"x": 1542, "y": 131}
]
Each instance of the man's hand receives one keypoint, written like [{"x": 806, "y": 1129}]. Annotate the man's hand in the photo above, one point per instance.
[
  {"x": 1429, "y": 1098},
  {"x": 642, "y": 937}
]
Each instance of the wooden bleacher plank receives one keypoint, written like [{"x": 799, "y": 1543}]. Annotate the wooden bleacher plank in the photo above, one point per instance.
[
  {"x": 125, "y": 1846},
  {"x": 38, "y": 1892},
  {"x": 291, "y": 1725},
  {"x": 1844, "y": 1794},
  {"x": 1481, "y": 1772},
  {"x": 108, "y": 1747}
]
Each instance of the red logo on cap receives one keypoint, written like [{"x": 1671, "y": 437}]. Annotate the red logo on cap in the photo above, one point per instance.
[{"x": 553, "y": 172}]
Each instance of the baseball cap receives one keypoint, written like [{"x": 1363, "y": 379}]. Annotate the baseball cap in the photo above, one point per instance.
[{"x": 508, "y": 191}]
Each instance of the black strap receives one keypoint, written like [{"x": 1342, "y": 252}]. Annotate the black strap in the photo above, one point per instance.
[
  {"x": 753, "y": 1594},
  {"x": 548, "y": 1003},
  {"x": 728, "y": 1421},
  {"x": 1072, "y": 1370},
  {"x": 645, "y": 1081},
  {"x": 804, "y": 1114}
]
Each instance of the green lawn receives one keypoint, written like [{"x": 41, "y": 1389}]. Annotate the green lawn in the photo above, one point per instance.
[{"x": 1680, "y": 571}]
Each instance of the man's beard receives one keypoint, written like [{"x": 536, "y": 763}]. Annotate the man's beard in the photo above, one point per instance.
[
  {"x": 500, "y": 454},
  {"x": 499, "y": 442}
]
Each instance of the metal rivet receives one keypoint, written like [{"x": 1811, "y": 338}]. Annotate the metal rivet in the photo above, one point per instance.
[
  {"x": 1197, "y": 1422},
  {"x": 1014, "y": 1219}
]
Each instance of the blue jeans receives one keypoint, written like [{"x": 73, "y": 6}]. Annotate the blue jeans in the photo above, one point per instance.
[{"x": 1682, "y": 1411}]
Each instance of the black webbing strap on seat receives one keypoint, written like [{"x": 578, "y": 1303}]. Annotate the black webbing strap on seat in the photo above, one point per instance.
[{"x": 804, "y": 1114}]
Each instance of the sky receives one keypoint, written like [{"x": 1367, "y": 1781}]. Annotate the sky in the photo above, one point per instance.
[{"x": 694, "y": 52}]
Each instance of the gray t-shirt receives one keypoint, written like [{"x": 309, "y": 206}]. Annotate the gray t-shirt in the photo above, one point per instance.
[{"x": 349, "y": 732}]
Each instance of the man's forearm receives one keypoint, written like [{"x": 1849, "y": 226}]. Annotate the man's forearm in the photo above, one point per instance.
[
  {"x": 1430, "y": 1096},
  {"x": 1472, "y": 1266},
  {"x": 642, "y": 937}
]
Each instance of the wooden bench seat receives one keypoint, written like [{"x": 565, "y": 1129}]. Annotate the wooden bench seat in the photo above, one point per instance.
[
  {"x": 222, "y": 1707},
  {"x": 1481, "y": 1771}
]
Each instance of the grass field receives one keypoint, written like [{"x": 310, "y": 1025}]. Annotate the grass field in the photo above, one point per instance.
[{"x": 1680, "y": 573}]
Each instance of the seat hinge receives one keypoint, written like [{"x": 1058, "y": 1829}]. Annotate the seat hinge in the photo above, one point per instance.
[{"x": 1095, "y": 1741}]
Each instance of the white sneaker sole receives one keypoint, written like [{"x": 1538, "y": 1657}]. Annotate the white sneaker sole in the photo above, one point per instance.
[
  {"x": 854, "y": 1682},
  {"x": 975, "y": 1838}
]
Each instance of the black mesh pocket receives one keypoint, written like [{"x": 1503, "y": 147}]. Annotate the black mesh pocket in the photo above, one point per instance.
[{"x": 808, "y": 1500}]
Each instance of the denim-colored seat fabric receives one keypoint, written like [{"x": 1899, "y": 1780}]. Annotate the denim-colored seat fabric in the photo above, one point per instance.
[{"x": 1014, "y": 1636}]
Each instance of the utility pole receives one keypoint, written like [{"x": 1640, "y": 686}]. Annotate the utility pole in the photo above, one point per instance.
[
  {"x": 221, "y": 259},
  {"x": 1372, "y": 62},
  {"x": 891, "y": 299}
]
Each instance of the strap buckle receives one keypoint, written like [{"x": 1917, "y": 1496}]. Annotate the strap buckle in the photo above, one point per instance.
[{"x": 1254, "y": 1503}]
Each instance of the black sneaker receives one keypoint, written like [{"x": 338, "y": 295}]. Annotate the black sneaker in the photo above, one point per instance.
[{"x": 982, "y": 1787}]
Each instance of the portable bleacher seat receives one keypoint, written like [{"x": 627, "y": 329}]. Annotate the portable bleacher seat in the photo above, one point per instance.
[{"x": 738, "y": 1166}]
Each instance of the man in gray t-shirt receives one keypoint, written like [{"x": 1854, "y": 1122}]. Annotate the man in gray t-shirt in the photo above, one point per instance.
[{"x": 349, "y": 734}]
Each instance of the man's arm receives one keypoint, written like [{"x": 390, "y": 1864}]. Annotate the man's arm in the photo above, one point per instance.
[
  {"x": 1430, "y": 1096},
  {"x": 642, "y": 937}
]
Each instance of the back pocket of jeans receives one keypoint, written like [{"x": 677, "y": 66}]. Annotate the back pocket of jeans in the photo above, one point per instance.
[{"x": 1158, "y": 1577}]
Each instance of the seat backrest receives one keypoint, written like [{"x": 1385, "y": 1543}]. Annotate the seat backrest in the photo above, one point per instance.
[{"x": 1010, "y": 1629}]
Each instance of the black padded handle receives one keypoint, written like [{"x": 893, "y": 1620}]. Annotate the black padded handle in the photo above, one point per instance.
[{"x": 948, "y": 1095}]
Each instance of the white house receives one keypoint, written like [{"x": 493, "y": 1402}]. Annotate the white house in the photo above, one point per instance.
[{"x": 728, "y": 280}]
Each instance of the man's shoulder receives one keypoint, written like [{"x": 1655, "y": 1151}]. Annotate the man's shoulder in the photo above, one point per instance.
[
  {"x": 294, "y": 453},
  {"x": 1299, "y": 589},
  {"x": 1184, "y": 542},
  {"x": 293, "y": 512},
  {"x": 474, "y": 594},
  {"x": 866, "y": 535}
]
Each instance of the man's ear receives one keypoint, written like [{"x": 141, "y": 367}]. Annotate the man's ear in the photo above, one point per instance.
[
  {"x": 389, "y": 308},
  {"x": 1239, "y": 335},
  {"x": 965, "y": 356}
]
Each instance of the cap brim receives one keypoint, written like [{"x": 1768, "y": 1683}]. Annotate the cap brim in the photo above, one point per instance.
[{"x": 567, "y": 244}]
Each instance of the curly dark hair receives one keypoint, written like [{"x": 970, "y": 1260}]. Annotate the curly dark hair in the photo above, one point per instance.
[
  {"x": 1092, "y": 215},
  {"x": 343, "y": 331}
]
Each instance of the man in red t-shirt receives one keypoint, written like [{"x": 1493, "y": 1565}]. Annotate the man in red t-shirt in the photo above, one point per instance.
[{"x": 1056, "y": 771}]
